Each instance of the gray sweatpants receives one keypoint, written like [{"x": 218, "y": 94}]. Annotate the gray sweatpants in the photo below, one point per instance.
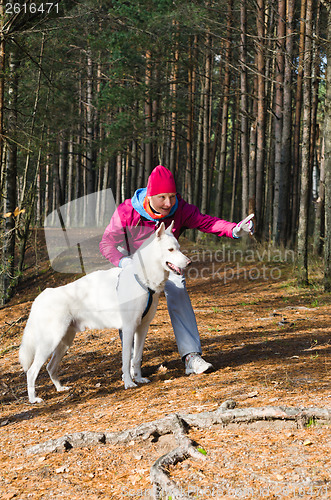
[{"x": 182, "y": 315}]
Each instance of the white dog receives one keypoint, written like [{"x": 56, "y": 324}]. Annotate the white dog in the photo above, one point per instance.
[{"x": 116, "y": 298}]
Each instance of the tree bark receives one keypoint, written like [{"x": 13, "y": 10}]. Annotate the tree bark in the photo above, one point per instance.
[
  {"x": 244, "y": 109},
  {"x": 148, "y": 115},
  {"x": 206, "y": 124},
  {"x": 173, "y": 94},
  {"x": 297, "y": 125},
  {"x": 10, "y": 187},
  {"x": 327, "y": 139},
  {"x": 287, "y": 123},
  {"x": 320, "y": 206},
  {"x": 2, "y": 89},
  {"x": 252, "y": 155},
  {"x": 90, "y": 174},
  {"x": 225, "y": 112},
  {"x": 188, "y": 185},
  {"x": 302, "y": 254},
  {"x": 260, "y": 129},
  {"x": 278, "y": 201}
]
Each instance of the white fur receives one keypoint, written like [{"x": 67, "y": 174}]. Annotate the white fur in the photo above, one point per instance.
[{"x": 103, "y": 299}]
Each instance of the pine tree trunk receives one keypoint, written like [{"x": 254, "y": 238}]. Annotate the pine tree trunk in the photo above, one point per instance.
[
  {"x": 260, "y": 129},
  {"x": 188, "y": 186},
  {"x": 48, "y": 184},
  {"x": 225, "y": 112},
  {"x": 302, "y": 254},
  {"x": 278, "y": 209},
  {"x": 173, "y": 94},
  {"x": 297, "y": 125},
  {"x": 252, "y": 156},
  {"x": 148, "y": 115},
  {"x": 327, "y": 139},
  {"x": 90, "y": 174},
  {"x": 118, "y": 178},
  {"x": 244, "y": 109},
  {"x": 287, "y": 122},
  {"x": 315, "y": 85},
  {"x": 206, "y": 124},
  {"x": 319, "y": 206},
  {"x": 197, "y": 179},
  {"x": 234, "y": 157},
  {"x": 2, "y": 92},
  {"x": 10, "y": 189}
]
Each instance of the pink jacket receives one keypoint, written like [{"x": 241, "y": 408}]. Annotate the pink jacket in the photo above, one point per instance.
[{"x": 131, "y": 225}]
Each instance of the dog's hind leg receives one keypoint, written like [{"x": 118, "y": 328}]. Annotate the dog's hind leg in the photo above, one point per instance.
[
  {"x": 139, "y": 342},
  {"x": 59, "y": 352},
  {"x": 32, "y": 374}
]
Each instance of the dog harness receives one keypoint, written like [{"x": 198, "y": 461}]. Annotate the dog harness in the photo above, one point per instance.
[{"x": 150, "y": 295}]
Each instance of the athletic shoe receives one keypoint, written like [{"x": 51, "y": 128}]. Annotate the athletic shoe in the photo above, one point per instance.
[{"x": 195, "y": 364}]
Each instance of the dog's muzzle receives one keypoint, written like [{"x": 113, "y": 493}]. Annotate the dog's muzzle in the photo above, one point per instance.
[{"x": 177, "y": 270}]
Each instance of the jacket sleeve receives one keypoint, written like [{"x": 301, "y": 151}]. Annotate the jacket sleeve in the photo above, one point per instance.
[
  {"x": 113, "y": 242},
  {"x": 194, "y": 219}
]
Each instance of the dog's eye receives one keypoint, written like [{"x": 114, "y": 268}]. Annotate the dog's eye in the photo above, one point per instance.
[{"x": 171, "y": 249}]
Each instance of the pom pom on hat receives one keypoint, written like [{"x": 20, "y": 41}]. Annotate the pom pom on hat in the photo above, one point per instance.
[{"x": 160, "y": 181}]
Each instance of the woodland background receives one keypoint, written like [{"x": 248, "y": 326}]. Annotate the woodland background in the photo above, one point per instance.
[{"x": 232, "y": 95}]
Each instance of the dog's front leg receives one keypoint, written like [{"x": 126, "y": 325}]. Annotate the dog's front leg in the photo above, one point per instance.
[{"x": 127, "y": 341}]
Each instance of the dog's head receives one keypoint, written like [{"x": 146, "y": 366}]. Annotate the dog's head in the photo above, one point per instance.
[{"x": 172, "y": 258}]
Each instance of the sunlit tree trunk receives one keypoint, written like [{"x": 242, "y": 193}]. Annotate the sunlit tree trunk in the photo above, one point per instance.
[
  {"x": 148, "y": 115},
  {"x": 297, "y": 124},
  {"x": 327, "y": 164},
  {"x": 287, "y": 122},
  {"x": 302, "y": 253},
  {"x": 279, "y": 198},
  {"x": 244, "y": 109},
  {"x": 260, "y": 129},
  {"x": 206, "y": 124},
  {"x": 90, "y": 173},
  {"x": 188, "y": 187},
  {"x": 173, "y": 94},
  {"x": 252, "y": 154},
  {"x": 197, "y": 177},
  {"x": 319, "y": 206},
  {"x": 225, "y": 112},
  {"x": 2, "y": 90}
]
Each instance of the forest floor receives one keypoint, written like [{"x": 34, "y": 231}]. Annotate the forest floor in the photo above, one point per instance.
[{"x": 269, "y": 342}]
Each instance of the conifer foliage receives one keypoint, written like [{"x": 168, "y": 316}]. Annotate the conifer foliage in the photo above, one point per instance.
[{"x": 230, "y": 95}]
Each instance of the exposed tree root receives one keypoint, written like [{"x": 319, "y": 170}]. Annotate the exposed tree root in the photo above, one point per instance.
[{"x": 178, "y": 425}]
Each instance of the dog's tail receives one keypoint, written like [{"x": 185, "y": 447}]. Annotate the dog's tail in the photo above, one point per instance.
[{"x": 27, "y": 350}]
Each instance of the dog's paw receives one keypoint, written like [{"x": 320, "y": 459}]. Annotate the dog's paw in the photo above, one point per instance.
[
  {"x": 63, "y": 388},
  {"x": 142, "y": 380},
  {"x": 129, "y": 384},
  {"x": 36, "y": 400}
]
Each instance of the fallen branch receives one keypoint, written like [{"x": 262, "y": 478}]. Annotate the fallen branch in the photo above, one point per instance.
[
  {"x": 178, "y": 425},
  {"x": 13, "y": 323}
]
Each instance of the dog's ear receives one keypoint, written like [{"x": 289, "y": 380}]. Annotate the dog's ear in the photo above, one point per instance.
[
  {"x": 169, "y": 229},
  {"x": 160, "y": 230}
]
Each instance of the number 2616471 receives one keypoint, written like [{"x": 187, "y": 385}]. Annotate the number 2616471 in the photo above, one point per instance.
[{"x": 31, "y": 8}]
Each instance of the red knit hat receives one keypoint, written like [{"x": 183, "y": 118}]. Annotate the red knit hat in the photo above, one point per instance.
[{"x": 160, "y": 181}]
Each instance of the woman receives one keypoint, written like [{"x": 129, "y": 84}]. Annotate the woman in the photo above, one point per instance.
[{"x": 134, "y": 221}]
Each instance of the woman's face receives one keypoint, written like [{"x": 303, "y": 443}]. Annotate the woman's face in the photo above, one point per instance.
[{"x": 163, "y": 203}]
